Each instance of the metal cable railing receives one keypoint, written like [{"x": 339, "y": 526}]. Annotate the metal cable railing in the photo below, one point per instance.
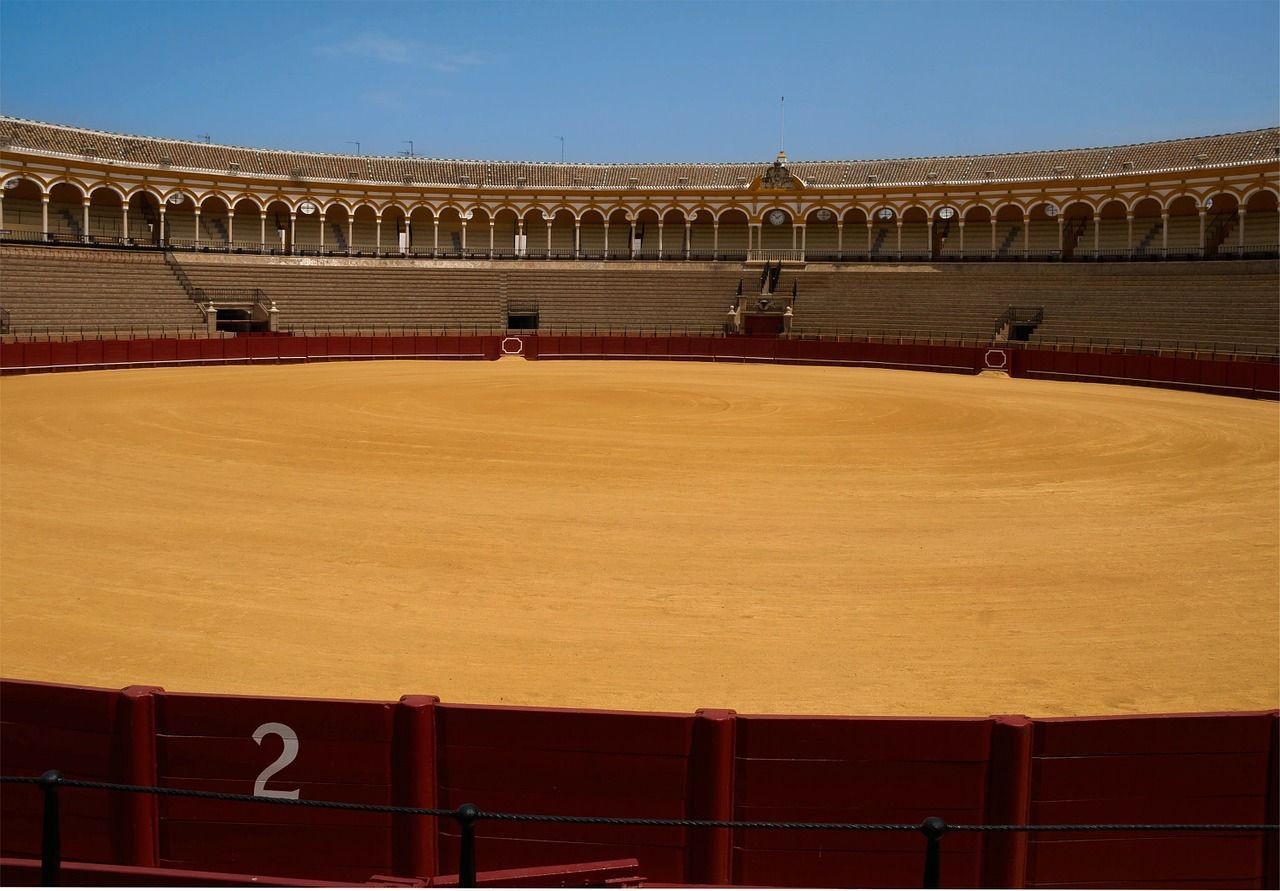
[{"x": 468, "y": 815}]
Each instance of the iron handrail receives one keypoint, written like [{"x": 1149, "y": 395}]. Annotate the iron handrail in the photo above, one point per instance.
[{"x": 467, "y": 815}]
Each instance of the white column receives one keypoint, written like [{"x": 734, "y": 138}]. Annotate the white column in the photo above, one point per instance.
[
  {"x": 715, "y": 239},
  {"x": 293, "y": 232},
  {"x": 464, "y": 238},
  {"x": 320, "y": 214},
  {"x": 631, "y": 238},
  {"x": 262, "y": 234},
  {"x": 351, "y": 230},
  {"x": 1164, "y": 232},
  {"x": 840, "y": 238},
  {"x": 931, "y": 238},
  {"x": 549, "y": 220},
  {"x": 44, "y": 211},
  {"x": 1097, "y": 230},
  {"x": 231, "y": 228},
  {"x": 1061, "y": 236},
  {"x": 1240, "y": 234},
  {"x": 491, "y": 224},
  {"x": 577, "y": 238},
  {"x": 84, "y": 235},
  {"x": 197, "y": 216},
  {"x": 870, "y": 237},
  {"x": 1202, "y": 212},
  {"x": 162, "y": 240},
  {"x": 377, "y": 236},
  {"x": 659, "y": 239},
  {"x": 899, "y": 238},
  {"x": 688, "y": 239},
  {"x": 1129, "y": 220},
  {"x": 961, "y": 224},
  {"x": 124, "y": 222},
  {"x": 435, "y": 236},
  {"x": 993, "y": 238},
  {"x": 606, "y": 239}
]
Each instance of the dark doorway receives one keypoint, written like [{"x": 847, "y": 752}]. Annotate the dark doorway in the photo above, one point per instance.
[{"x": 762, "y": 325}]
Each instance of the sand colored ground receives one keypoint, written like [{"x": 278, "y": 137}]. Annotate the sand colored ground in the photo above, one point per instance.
[{"x": 642, "y": 535}]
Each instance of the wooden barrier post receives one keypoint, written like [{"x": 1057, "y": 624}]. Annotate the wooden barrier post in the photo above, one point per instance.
[
  {"x": 415, "y": 840},
  {"x": 1004, "y": 854},
  {"x": 709, "y": 859},
  {"x": 1271, "y": 841},
  {"x": 138, "y": 841}
]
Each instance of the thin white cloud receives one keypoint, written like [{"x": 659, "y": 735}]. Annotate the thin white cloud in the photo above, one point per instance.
[
  {"x": 450, "y": 62},
  {"x": 375, "y": 46},
  {"x": 379, "y": 47}
]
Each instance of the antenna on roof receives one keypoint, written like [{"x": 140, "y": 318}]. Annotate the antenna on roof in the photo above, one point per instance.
[
  {"x": 204, "y": 136},
  {"x": 782, "y": 123},
  {"x": 408, "y": 154},
  {"x": 356, "y": 144}
]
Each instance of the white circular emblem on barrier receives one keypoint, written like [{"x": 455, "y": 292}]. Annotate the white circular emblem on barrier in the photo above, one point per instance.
[
  {"x": 998, "y": 354},
  {"x": 519, "y": 346}
]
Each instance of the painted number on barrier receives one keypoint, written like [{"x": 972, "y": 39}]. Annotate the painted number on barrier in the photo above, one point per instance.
[{"x": 290, "y": 739}]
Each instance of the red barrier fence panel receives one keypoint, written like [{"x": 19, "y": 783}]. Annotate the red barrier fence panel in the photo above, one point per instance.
[
  {"x": 858, "y": 770},
  {"x": 1239, "y": 375},
  {"x": 164, "y": 350},
  {"x": 331, "y": 751},
  {"x": 115, "y": 352},
  {"x": 141, "y": 351},
  {"x": 89, "y": 352},
  {"x": 187, "y": 350},
  {"x": 1150, "y": 769},
  {"x": 287, "y": 347},
  {"x": 12, "y": 355},
  {"x": 88, "y": 734},
  {"x": 1266, "y": 380},
  {"x": 550, "y": 761},
  {"x": 62, "y": 354}
]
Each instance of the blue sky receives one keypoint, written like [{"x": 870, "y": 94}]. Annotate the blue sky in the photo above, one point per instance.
[{"x": 646, "y": 81}]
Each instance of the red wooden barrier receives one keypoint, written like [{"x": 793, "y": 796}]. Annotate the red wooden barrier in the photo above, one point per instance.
[
  {"x": 331, "y": 751},
  {"x": 550, "y": 761},
  {"x": 1150, "y": 769},
  {"x": 89, "y": 734},
  {"x": 857, "y": 770}
]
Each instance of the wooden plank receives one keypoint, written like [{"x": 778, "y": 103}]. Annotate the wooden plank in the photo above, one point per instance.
[
  {"x": 925, "y": 784},
  {"x": 568, "y": 730},
  {"x": 1148, "y": 776},
  {"x": 890, "y": 739},
  {"x": 1144, "y": 734}
]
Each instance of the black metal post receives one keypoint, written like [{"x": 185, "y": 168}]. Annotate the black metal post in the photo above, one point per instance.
[
  {"x": 51, "y": 838},
  {"x": 466, "y": 817},
  {"x": 933, "y": 829}
]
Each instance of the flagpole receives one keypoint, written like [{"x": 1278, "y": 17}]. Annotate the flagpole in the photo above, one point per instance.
[{"x": 782, "y": 123}]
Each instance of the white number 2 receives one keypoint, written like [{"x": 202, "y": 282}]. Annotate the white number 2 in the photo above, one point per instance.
[{"x": 290, "y": 739}]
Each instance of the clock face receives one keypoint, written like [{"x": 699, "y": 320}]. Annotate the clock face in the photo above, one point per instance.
[
  {"x": 1050, "y": 210},
  {"x": 824, "y": 215},
  {"x": 946, "y": 213},
  {"x": 307, "y": 207},
  {"x": 885, "y": 214},
  {"x": 177, "y": 199},
  {"x": 777, "y": 217}
]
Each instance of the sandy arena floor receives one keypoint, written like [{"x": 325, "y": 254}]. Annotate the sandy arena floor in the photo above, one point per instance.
[{"x": 643, "y": 535}]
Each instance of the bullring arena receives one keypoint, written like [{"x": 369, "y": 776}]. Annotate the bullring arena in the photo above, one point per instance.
[{"x": 778, "y": 455}]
